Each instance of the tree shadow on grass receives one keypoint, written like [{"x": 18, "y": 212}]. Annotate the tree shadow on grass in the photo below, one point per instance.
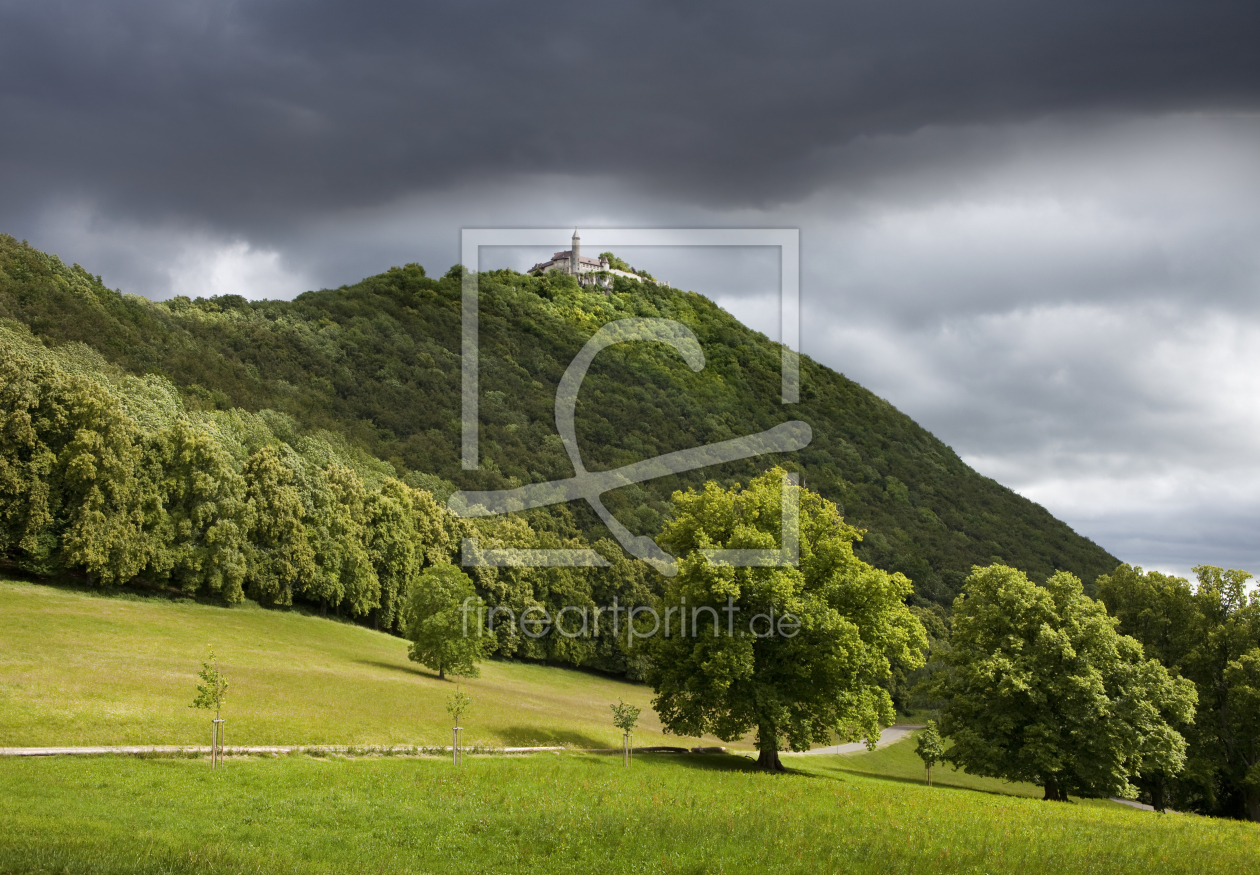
[
  {"x": 708, "y": 762},
  {"x": 937, "y": 781},
  {"x": 542, "y": 736},
  {"x": 405, "y": 669}
]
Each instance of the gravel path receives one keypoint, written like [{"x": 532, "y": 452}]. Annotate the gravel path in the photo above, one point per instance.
[
  {"x": 888, "y": 736},
  {"x": 232, "y": 750}
]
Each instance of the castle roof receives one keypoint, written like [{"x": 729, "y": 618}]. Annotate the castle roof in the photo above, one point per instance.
[{"x": 566, "y": 255}]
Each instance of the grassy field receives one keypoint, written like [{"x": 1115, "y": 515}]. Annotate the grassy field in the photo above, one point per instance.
[
  {"x": 899, "y": 762},
  {"x": 565, "y": 813},
  {"x": 78, "y": 668}
]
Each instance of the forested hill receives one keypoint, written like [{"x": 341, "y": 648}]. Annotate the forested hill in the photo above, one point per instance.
[{"x": 378, "y": 362}]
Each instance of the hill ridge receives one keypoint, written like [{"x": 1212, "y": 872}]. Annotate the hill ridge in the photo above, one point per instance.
[{"x": 377, "y": 362}]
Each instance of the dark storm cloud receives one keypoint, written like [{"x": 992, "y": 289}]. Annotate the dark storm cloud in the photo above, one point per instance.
[
  {"x": 249, "y": 115},
  {"x": 1030, "y": 227}
]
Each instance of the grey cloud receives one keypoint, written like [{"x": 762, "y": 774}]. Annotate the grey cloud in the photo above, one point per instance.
[
  {"x": 1029, "y": 226},
  {"x": 250, "y": 115}
]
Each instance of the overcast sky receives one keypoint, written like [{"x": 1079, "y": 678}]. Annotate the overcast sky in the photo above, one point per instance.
[{"x": 1033, "y": 227}]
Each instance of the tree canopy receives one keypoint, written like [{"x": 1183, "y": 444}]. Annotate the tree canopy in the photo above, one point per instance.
[
  {"x": 376, "y": 365},
  {"x": 930, "y": 748},
  {"x": 212, "y": 691},
  {"x": 1210, "y": 634},
  {"x": 796, "y": 652},
  {"x": 444, "y": 626},
  {"x": 1041, "y": 688}
]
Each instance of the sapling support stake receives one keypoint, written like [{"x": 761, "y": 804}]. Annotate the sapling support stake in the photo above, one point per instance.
[
  {"x": 211, "y": 693},
  {"x": 455, "y": 706},
  {"x": 624, "y": 718},
  {"x": 216, "y": 741}
]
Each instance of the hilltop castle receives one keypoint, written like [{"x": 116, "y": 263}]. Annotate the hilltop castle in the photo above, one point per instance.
[{"x": 589, "y": 271}]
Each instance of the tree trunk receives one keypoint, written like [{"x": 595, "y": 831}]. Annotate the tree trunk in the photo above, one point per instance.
[
  {"x": 1158, "y": 801},
  {"x": 1055, "y": 791},
  {"x": 441, "y": 672},
  {"x": 768, "y": 745},
  {"x": 1253, "y": 805}
]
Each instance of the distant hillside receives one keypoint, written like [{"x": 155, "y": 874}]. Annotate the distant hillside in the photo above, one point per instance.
[{"x": 378, "y": 362}]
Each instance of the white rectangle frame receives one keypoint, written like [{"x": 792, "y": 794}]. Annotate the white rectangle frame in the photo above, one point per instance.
[{"x": 472, "y": 239}]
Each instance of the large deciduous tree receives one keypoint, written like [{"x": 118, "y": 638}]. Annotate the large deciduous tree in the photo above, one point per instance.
[
  {"x": 280, "y": 555},
  {"x": 392, "y": 546},
  {"x": 1042, "y": 688},
  {"x": 1210, "y": 634},
  {"x": 204, "y": 537},
  {"x": 101, "y": 499},
  {"x": 442, "y": 622},
  {"x": 27, "y": 460},
  {"x": 797, "y": 680}
]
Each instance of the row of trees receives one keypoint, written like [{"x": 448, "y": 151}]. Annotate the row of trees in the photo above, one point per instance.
[
  {"x": 1152, "y": 691},
  {"x": 1039, "y": 686},
  {"x": 1036, "y": 682},
  {"x": 113, "y": 477},
  {"x": 1208, "y": 634},
  {"x": 117, "y": 480}
]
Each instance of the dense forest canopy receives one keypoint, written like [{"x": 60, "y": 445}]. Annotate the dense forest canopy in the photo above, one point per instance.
[{"x": 374, "y": 368}]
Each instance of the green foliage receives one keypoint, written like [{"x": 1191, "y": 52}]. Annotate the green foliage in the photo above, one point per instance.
[
  {"x": 281, "y": 557},
  {"x": 113, "y": 475},
  {"x": 1209, "y": 634},
  {"x": 929, "y": 747},
  {"x": 443, "y": 622},
  {"x": 377, "y": 364},
  {"x": 458, "y": 703},
  {"x": 625, "y": 715},
  {"x": 819, "y": 674},
  {"x": 212, "y": 691},
  {"x": 1042, "y": 688},
  {"x": 204, "y": 542},
  {"x": 229, "y": 502},
  {"x": 76, "y": 487},
  {"x": 394, "y": 547},
  {"x": 614, "y": 262}
]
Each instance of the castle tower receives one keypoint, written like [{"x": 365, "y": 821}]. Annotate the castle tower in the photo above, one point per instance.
[{"x": 574, "y": 255}]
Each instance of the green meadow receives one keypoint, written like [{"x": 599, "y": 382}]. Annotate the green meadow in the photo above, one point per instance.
[
  {"x": 899, "y": 762},
  {"x": 565, "y": 813},
  {"x": 79, "y": 668}
]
